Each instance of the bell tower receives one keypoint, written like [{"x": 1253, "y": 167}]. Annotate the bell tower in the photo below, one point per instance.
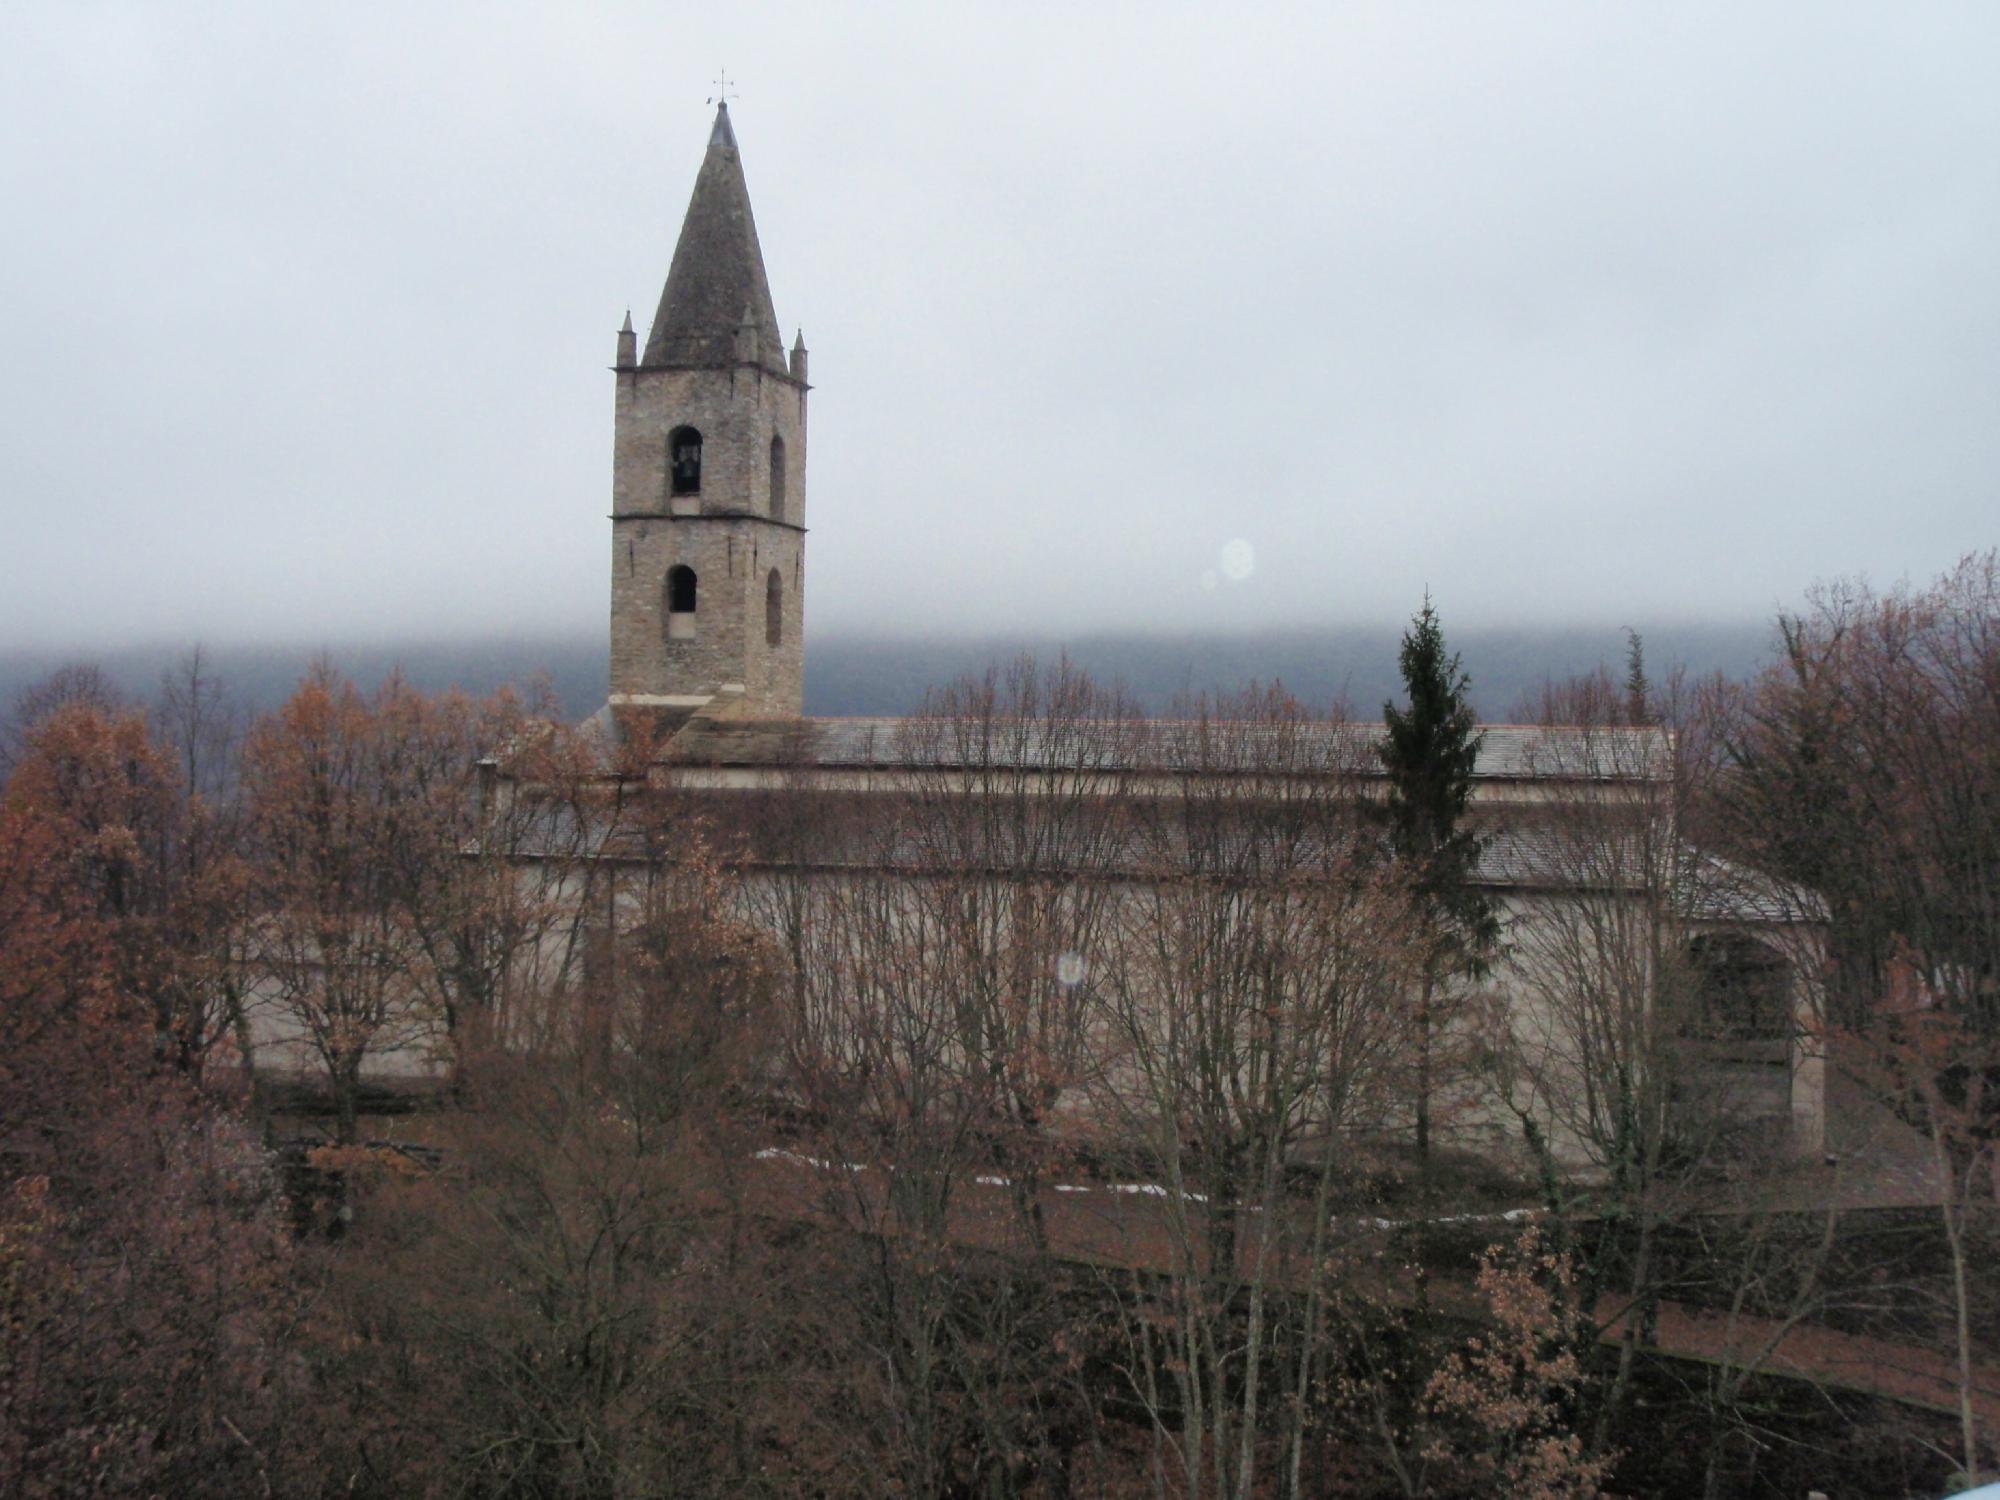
[{"x": 708, "y": 477}]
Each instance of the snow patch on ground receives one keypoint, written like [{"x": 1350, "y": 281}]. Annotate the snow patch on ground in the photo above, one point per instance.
[{"x": 1155, "y": 1190}]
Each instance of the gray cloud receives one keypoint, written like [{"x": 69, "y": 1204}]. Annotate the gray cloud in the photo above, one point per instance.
[{"x": 1571, "y": 311}]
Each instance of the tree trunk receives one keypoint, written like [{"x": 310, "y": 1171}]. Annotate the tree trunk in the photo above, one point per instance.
[
  {"x": 346, "y": 1080},
  {"x": 1424, "y": 1081},
  {"x": 1644, "y": 1298},
  {"x": 1954, "y": 1233}
]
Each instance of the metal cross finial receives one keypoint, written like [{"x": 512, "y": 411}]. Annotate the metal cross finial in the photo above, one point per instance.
[{"x": 722, "y": 94}]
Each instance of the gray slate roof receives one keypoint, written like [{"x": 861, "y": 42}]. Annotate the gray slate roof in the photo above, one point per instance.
[
  {"x": 1527, "y": 856},
  {"x": 717, "y": 276},
  {"x": 1508, "y": 751}
]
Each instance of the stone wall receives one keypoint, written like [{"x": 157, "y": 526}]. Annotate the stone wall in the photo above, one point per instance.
[{"x": 731, "y": 538}]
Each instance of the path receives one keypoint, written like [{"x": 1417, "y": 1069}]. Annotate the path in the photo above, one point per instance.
[{"x": 1126, "y": 1226}]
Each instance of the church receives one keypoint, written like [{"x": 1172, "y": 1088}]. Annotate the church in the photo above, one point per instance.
[{"x": 707, "y": 653}]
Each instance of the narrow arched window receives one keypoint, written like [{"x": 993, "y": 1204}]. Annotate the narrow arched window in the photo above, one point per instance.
[
  {"x": 684, "y": 460},
  {"x": 1736, "y": 1064},
  {"x": 774, "y": 609},
  {"x": 777, "y": 477},
  {"x": 680, "y": 603},
  {"x": 1742, "y": 990}
]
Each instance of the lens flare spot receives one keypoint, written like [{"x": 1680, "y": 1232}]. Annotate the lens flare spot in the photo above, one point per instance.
[
  {"x": 1239, "y": 560},
  {"x": 1070, "y": 970}
]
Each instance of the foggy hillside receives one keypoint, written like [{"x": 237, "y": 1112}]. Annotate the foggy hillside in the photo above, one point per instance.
[{"x": 888, "y": 675}]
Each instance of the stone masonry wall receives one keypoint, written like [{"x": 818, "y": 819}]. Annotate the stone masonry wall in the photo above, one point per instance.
[{"x": 731, "y": 541}]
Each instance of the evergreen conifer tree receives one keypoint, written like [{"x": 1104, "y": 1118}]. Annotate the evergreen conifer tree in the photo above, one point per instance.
[
  {"x": 1638, "y": 689},
  {"x": 1429, "y": 752}
]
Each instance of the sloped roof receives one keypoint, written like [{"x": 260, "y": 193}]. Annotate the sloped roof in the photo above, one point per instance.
[
  {"x": 1529, "y": 857},
  {"x": 1707, "y": 887},
  {"x": 717, "y": 278},
  {"x": 1507, "y": 751}
]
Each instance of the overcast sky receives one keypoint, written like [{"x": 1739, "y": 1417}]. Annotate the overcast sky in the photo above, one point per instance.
[{"x": 1150, "y": 315}]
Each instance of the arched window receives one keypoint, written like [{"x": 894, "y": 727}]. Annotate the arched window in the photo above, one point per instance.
[
  {"x": 1736, "y": 1044},
  {"x": 1742, "y": 990},
  {"x": 680, "y": 603},
  {"x": 684, "y": 461},
  {"x": 774, "y": 609},
  {"x": 777, "y": 477}
]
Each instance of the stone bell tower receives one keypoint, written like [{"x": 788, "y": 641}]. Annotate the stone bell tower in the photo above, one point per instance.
[{"x": 708, "y": 477}]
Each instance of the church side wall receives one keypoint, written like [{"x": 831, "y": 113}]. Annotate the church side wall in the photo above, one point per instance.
[{"x": 1478, "y": 1109}]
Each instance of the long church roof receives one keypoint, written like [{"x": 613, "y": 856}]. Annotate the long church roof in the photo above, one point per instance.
[
  {"x": 717, "y": 280},
  {"x": 1530, "y": 844},
  {"x": 1507, "y": 752}
]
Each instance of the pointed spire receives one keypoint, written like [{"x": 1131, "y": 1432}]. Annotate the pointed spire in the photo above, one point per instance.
[
  {"x": 799, "y": 357},
  {"x": 628, "y": 351},
  {"x": 716, "y": 285}
]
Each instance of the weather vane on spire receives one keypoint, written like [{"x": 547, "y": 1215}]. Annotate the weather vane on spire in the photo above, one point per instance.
[{"x": 722, "y": 94}]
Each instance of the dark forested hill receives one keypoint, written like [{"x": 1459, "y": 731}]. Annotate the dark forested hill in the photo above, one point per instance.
[{"x": 888, "y": 674}]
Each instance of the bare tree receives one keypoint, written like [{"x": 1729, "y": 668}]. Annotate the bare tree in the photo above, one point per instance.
[
  {"x": 149, "y": 1309},
  {"x": 950, "y": 1306},
  {"x": 936, "y": 936},
  {"x": 515, "y": 820},
  {"x": 1254, "y": 995},
  {"x": 201, "y": 727},
  {"x": 198, "y": 719},
  {"x": 422, "y": 857},
  {"x": 331, "y": 798},
  {"x": 162, "y": 866},
  {"x": 582, "y": 1302},
  {"x": 78, "y": 684},
  {"x": 1866, "y": 767},
  {"x": 1013, "y": 808},
  {"x": 1662, "y": 1001}
]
